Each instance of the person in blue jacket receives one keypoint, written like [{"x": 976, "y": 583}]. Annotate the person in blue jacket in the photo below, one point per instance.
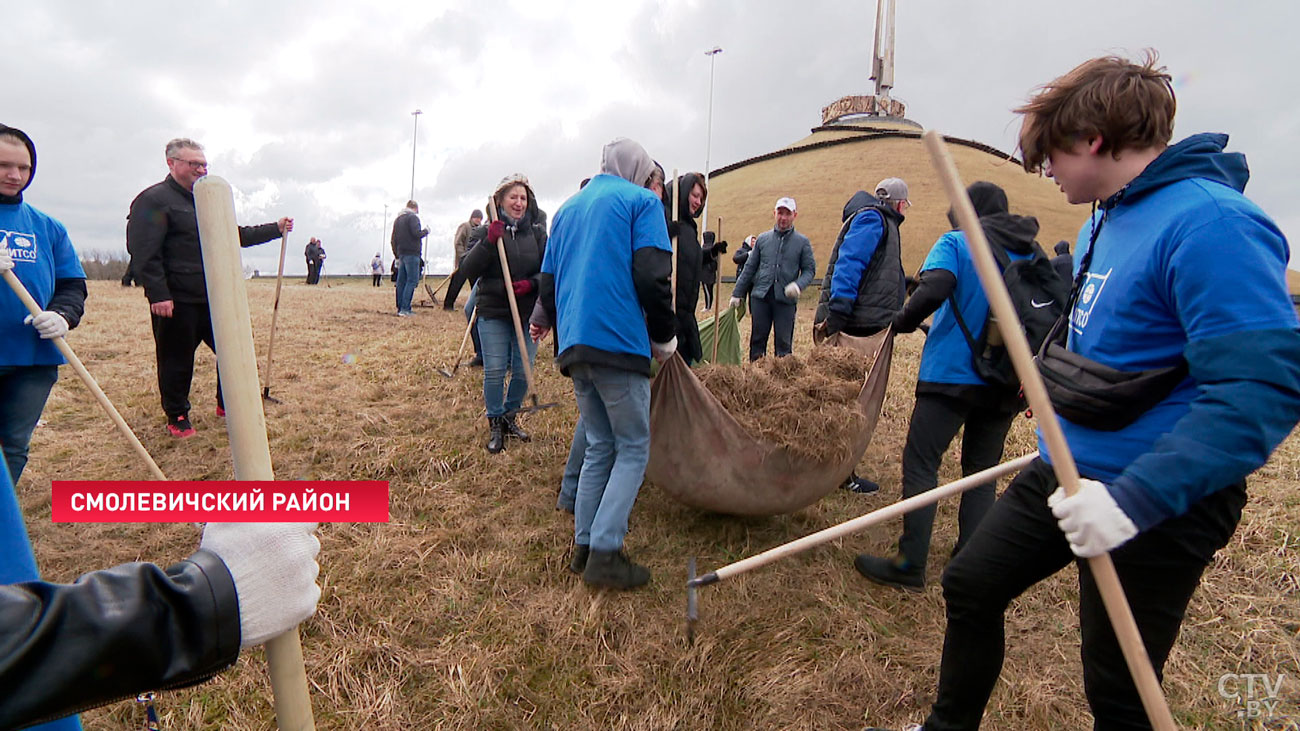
[
  {"x": 1178, "y": 273},
  {"x": 950, "y": 395},
  {"x": 605, "y": 285},
  {"x": 36, "y": 248}
]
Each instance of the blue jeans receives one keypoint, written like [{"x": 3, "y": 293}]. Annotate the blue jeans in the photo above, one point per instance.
[
  {"x": 573, "y": 468},
  {"x": 615, "y": 408},
  {"x": 23, "y": 392},
  {"x": 408, "y": 274},
  {"x": 470, "y": 304},
  {"x": 501, "y": 353}
]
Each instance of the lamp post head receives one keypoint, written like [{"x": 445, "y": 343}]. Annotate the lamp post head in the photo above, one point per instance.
[
  {"x": 416, "y": 112},
  {"x": 714, "y": 51}
]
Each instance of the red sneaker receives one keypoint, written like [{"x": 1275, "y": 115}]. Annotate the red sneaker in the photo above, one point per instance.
[
  {"x": 180, "y": 427},
  {"x": 221, "y": 412}
]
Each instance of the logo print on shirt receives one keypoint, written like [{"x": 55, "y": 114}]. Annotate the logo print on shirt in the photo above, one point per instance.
[
  {"x": 1091, "y": 292},
  {"x": 22, "y": 246},
  {"x": 1039, "y": 305}
]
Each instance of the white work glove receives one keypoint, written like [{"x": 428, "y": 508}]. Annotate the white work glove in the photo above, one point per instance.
[
  {"x": 6, "y": 259},
  {"x": 274, "y": 569},
  {"x": 663, "y": 351},
  {"x": 49, "y": 324},
  {"x": 792, "y": 291},
  {"x": 1091, "y": 520},
  {"x": 734, "y": 303}
]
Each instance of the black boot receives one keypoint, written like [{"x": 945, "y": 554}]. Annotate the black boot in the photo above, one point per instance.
[
  {"x": 890, "y": 572},
  {"x": 613, "y": 570},
  {"x": 513, "y": 430},
  {"x": 496, "y": 437},
  {"x": 578, "y": 563}
]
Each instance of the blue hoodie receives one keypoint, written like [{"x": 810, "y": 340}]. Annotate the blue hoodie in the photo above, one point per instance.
[{"x": 1186, "y": 266}]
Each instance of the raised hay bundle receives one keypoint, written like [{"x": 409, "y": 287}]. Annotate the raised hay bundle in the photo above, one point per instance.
[
  {"x": 772, "y": 437},
  {"x": 809, "y": 407}
]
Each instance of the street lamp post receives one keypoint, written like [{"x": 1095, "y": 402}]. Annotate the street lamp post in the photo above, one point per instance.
[
  {"x": 708, "y": 143},
  {"x": 414, "y": 138}
]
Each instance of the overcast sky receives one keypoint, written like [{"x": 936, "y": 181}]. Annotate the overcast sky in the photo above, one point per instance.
[{"x": 305, "y": 107}]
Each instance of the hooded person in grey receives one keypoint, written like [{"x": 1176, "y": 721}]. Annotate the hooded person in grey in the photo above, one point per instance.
[{"x": 605, "y": 286}]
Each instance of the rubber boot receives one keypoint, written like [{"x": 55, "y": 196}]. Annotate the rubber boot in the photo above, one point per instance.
[
  {"x": 613, "y": 570},
  {"x": 496, "y": 436},
  {"x": 513, "y": 430}
]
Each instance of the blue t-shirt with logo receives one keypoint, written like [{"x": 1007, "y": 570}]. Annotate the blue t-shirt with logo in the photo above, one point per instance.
[
  {"x": 42, "y": 254},
  {"x": 589, "y": 253},
  {"x": 946, "y": 357}
]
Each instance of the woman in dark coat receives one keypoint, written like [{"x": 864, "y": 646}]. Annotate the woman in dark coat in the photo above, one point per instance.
[
  {"x": 689, "y": 193},
  {"x": 519, "y": 225}
]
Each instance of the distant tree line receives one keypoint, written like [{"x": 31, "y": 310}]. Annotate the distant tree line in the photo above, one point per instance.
[{"x": 104, "y": 264}]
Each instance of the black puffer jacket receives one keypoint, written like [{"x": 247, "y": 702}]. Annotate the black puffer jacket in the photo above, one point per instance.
[
  {"x": 162, "y": 235},
  {"x": 690, "y": 259},
  {"x": 882, "y": 288},
  {"x": 62, "y": 651},
  {"x": 525, "y": 242}
]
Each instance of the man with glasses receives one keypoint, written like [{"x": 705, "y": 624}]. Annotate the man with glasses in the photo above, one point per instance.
[{"x": 162, "y": 235}]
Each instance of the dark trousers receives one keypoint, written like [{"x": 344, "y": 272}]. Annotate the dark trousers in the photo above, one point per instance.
[
  {"x": 935, "y": 421},
  {"x": 23, "y": 392},
  {"x": 313, "y": 272},
  {"x": 453, "y": 290},
  {"x": 175, "y": 340},
  {"x": 708, "y": 295},
  {"x": 375, "y": 279},
  {"x": 773, "y": 316},
  {"x": 1018, "y": 545}
]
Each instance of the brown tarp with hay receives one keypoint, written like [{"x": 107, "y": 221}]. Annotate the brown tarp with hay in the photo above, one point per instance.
[{"x": 702, "y": 457}]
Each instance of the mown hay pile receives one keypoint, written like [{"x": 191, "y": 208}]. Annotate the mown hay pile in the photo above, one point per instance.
[{"x": 807, "y": 405}]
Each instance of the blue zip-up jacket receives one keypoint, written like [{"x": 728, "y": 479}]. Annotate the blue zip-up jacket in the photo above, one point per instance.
[{"x": 1186, "y": 266}]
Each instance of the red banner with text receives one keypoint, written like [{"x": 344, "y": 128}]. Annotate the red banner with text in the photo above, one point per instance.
[{"x": 227, "y": 501}]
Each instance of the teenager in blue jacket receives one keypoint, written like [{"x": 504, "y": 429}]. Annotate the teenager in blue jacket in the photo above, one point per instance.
[
  {"x": 36, "y": 248},
  {"x": 1179, "y": 287}
]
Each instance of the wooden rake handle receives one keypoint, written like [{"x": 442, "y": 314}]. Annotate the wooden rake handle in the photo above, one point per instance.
[
  {"x": 862, "y": 522},
  {"x": 275, "y": 309},
  {"x": 62, "y": 344},
  {"x": 250, "y": 449},
  {"x": 1112, "y": 593}
]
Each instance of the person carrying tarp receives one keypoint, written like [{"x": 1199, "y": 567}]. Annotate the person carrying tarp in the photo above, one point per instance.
[
  {"x": 950, "y": 394},
  {"x": 864, "y": 284},
  {"x": 605, "y": 285}
]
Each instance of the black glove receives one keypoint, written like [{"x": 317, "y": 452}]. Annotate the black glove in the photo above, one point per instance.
[
  {"x": 835, "y": 322},
  {"x": 721, "y": 248},
  {"x": 901, "y": 325}
]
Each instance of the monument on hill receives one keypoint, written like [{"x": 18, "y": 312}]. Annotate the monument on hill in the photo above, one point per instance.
[
  {"x": 853, "y": 108},
  {"x": 863, "y": 139}
]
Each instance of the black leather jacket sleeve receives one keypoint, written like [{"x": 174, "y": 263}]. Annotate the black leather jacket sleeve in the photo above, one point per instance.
[{"x": 112, "y": 635}]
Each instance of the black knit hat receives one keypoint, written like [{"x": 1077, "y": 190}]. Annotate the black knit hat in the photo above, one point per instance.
[{"x": 7, "y": 131}]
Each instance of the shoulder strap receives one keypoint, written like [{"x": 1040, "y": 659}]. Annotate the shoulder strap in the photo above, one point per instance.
[{"x": 961, "y": 322}]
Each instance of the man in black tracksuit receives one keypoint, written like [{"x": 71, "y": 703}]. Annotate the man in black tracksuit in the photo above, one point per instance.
[{"x": 162, "y": 235}]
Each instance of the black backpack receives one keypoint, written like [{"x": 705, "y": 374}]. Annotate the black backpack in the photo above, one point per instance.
[{"x": 1039, "y": 295}]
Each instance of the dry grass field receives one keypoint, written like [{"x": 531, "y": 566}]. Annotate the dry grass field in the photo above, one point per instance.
[{"x": 460, "y": 613}]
